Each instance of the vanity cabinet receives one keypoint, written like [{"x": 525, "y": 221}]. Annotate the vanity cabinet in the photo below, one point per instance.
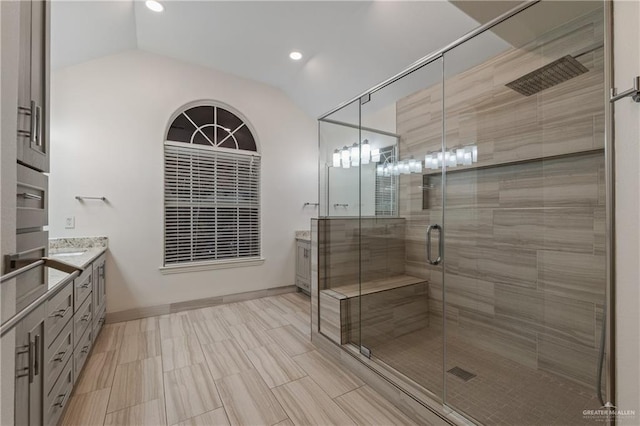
[
  {"x": 82, "y": 288},
  {"x": 29, "y": 375},
  {"x": 99, "y": 293},
  {"x": 53, "y": 343},
  {"x": 303, "y": 265},
  {"x": 58, "y": 351}
]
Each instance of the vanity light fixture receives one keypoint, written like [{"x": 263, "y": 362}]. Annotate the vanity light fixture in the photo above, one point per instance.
[
  {"x": 406, "y": 168},
  {"x": 345, "y": 155},
  {"x": 154, "y": 5},
  {"x": 336, "y": 158},
  {"x": 457, "y": 156},
  {"x": 295, "y": 55},
  {"x": 375, "y": 155},
  {"x": 365, "y": 152},
  {"x": 355, "y": 155},
  {"x": 415, "y": 166},
  {"x": 362, "y": 154}
]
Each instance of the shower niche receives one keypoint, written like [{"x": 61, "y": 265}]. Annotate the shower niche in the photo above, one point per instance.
[{"x": 471, "y": 270}]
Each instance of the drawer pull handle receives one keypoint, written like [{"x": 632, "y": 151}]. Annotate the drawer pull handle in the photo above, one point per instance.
[
  {"x": 38, "y": 139},
  {"x": 30, "y": 196},
  {"x": 85, "y": 317},
  {"x": 85, "y": 285},
  {"x": 85, "y": 349},
  {"x": 34, "y": 123},
  {"x": 36, "y": 363},
  {"x": 31, "y": 363},
  {"x": 60, "y": 356},
  {"x": 60, "y": 313},
  {"x": 62, "y": 401}
]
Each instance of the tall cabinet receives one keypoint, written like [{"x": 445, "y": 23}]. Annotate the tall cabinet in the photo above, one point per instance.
[
  {"x": 32, "y": 157},
  {"x": 32, "y": 104},
  {"x": 24, "y": 197}
]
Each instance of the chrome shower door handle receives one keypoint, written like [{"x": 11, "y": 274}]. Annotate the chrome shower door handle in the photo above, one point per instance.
[{"x": 439, "y": 258}]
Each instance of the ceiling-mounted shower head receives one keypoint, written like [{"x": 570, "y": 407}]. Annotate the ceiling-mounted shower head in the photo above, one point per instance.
[{"x": 548, "y": 76}]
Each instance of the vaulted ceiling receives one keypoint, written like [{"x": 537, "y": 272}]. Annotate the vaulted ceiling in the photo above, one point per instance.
[{"x": 348, "y": 46}]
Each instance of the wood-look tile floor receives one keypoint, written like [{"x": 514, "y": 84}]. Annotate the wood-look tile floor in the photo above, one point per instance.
[{"x": 245, "y": 363}]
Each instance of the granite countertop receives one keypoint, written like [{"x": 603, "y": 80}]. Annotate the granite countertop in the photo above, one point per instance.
[
  {"x": 81, "y": 260},
  {"x": 303, "y": 235},
  {"x": 75, "y": 251},
  {"x": 79, "y": 252}
]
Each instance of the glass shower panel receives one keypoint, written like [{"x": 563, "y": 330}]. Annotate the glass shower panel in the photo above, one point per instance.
[
  {"x": 524, "y": 247},
  {"x": 339, "y": 221},
  {"x": 340, "y": 175},
  {"x": 400, "y": 298}
]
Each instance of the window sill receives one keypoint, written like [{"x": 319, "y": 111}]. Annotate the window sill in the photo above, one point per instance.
[{"x": 210, "y": 265}]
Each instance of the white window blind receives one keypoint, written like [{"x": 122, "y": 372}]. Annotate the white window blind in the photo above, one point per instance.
[{"x": 212, "y": 204}]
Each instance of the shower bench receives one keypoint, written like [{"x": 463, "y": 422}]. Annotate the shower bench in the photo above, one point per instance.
[{"x": 389, "y": 307}]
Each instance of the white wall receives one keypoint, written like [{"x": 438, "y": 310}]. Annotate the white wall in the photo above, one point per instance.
[
  {"x": 381, "y": 119},
  {"x": 109, "y": 118},
  {"x": 627, "y": 143},
  {"x": 355, "y": 187}
]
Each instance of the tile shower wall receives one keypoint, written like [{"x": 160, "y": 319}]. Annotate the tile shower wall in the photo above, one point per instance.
[
  {"x": 524, "y": 241},
  {"x": 373, "y": 247},
  {"x": 387, "y": 309}
]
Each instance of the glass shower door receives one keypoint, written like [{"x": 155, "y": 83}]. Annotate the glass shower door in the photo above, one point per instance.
[
  {"x": 400, "y": 299},
  {"x": 524, "y": 248}
]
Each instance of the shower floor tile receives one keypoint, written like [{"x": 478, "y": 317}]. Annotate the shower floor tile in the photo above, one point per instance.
[{"x": 502, "y": 392}]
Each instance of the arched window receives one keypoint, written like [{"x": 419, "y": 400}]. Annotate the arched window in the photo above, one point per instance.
[{"x": 211, "y": 187}]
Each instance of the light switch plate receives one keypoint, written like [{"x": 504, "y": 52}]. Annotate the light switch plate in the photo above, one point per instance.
[{"x": 70, "y": 222}]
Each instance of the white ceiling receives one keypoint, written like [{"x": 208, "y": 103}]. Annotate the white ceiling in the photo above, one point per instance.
[{"x": 348, "y": 46}]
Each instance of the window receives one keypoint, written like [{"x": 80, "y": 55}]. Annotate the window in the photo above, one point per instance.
[{"x": 211, "y": 188}]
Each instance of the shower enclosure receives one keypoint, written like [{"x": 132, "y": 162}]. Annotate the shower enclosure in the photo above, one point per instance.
[{"x": 469, "y": 266}]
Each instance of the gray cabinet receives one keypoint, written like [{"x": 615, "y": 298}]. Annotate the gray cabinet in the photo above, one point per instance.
[
  {"x": 56, "y": 400},
  {"x": 59, "y": 310},
  {"x": 58, "y": 337},
  {"x": 53, "y": 343},
  {"x": 303, "y": 265},
  {"x": 29, "y": 382},
  {"x": 99, "y": 293},
  {"x": 32, "y": 105},
  {"x": 82, "y": 287}
]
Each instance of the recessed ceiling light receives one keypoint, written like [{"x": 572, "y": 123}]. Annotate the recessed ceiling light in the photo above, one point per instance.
[
  {"x": 296, "y": 56},
  {"x": 154, "y": 5}
]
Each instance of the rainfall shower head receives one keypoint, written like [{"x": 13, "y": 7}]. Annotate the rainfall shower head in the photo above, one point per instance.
[{"x": 548, "y": 76}]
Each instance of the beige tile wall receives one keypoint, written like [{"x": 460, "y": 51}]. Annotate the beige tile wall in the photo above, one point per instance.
[
  {"x": 524, "y": 250},
  {"x": 373, "y": 247}
]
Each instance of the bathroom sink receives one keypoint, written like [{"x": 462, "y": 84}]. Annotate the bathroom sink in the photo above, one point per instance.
[{"x": 69, "y": 253}]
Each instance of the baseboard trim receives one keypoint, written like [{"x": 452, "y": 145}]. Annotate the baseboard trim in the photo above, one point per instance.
[{"x": 152, "y": 311}]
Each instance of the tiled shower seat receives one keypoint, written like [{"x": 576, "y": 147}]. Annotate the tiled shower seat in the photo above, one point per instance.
[{"x": 390, "y": 307}]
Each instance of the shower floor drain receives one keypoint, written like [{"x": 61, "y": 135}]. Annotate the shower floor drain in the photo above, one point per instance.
[{"x": 461, "y": 373}]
